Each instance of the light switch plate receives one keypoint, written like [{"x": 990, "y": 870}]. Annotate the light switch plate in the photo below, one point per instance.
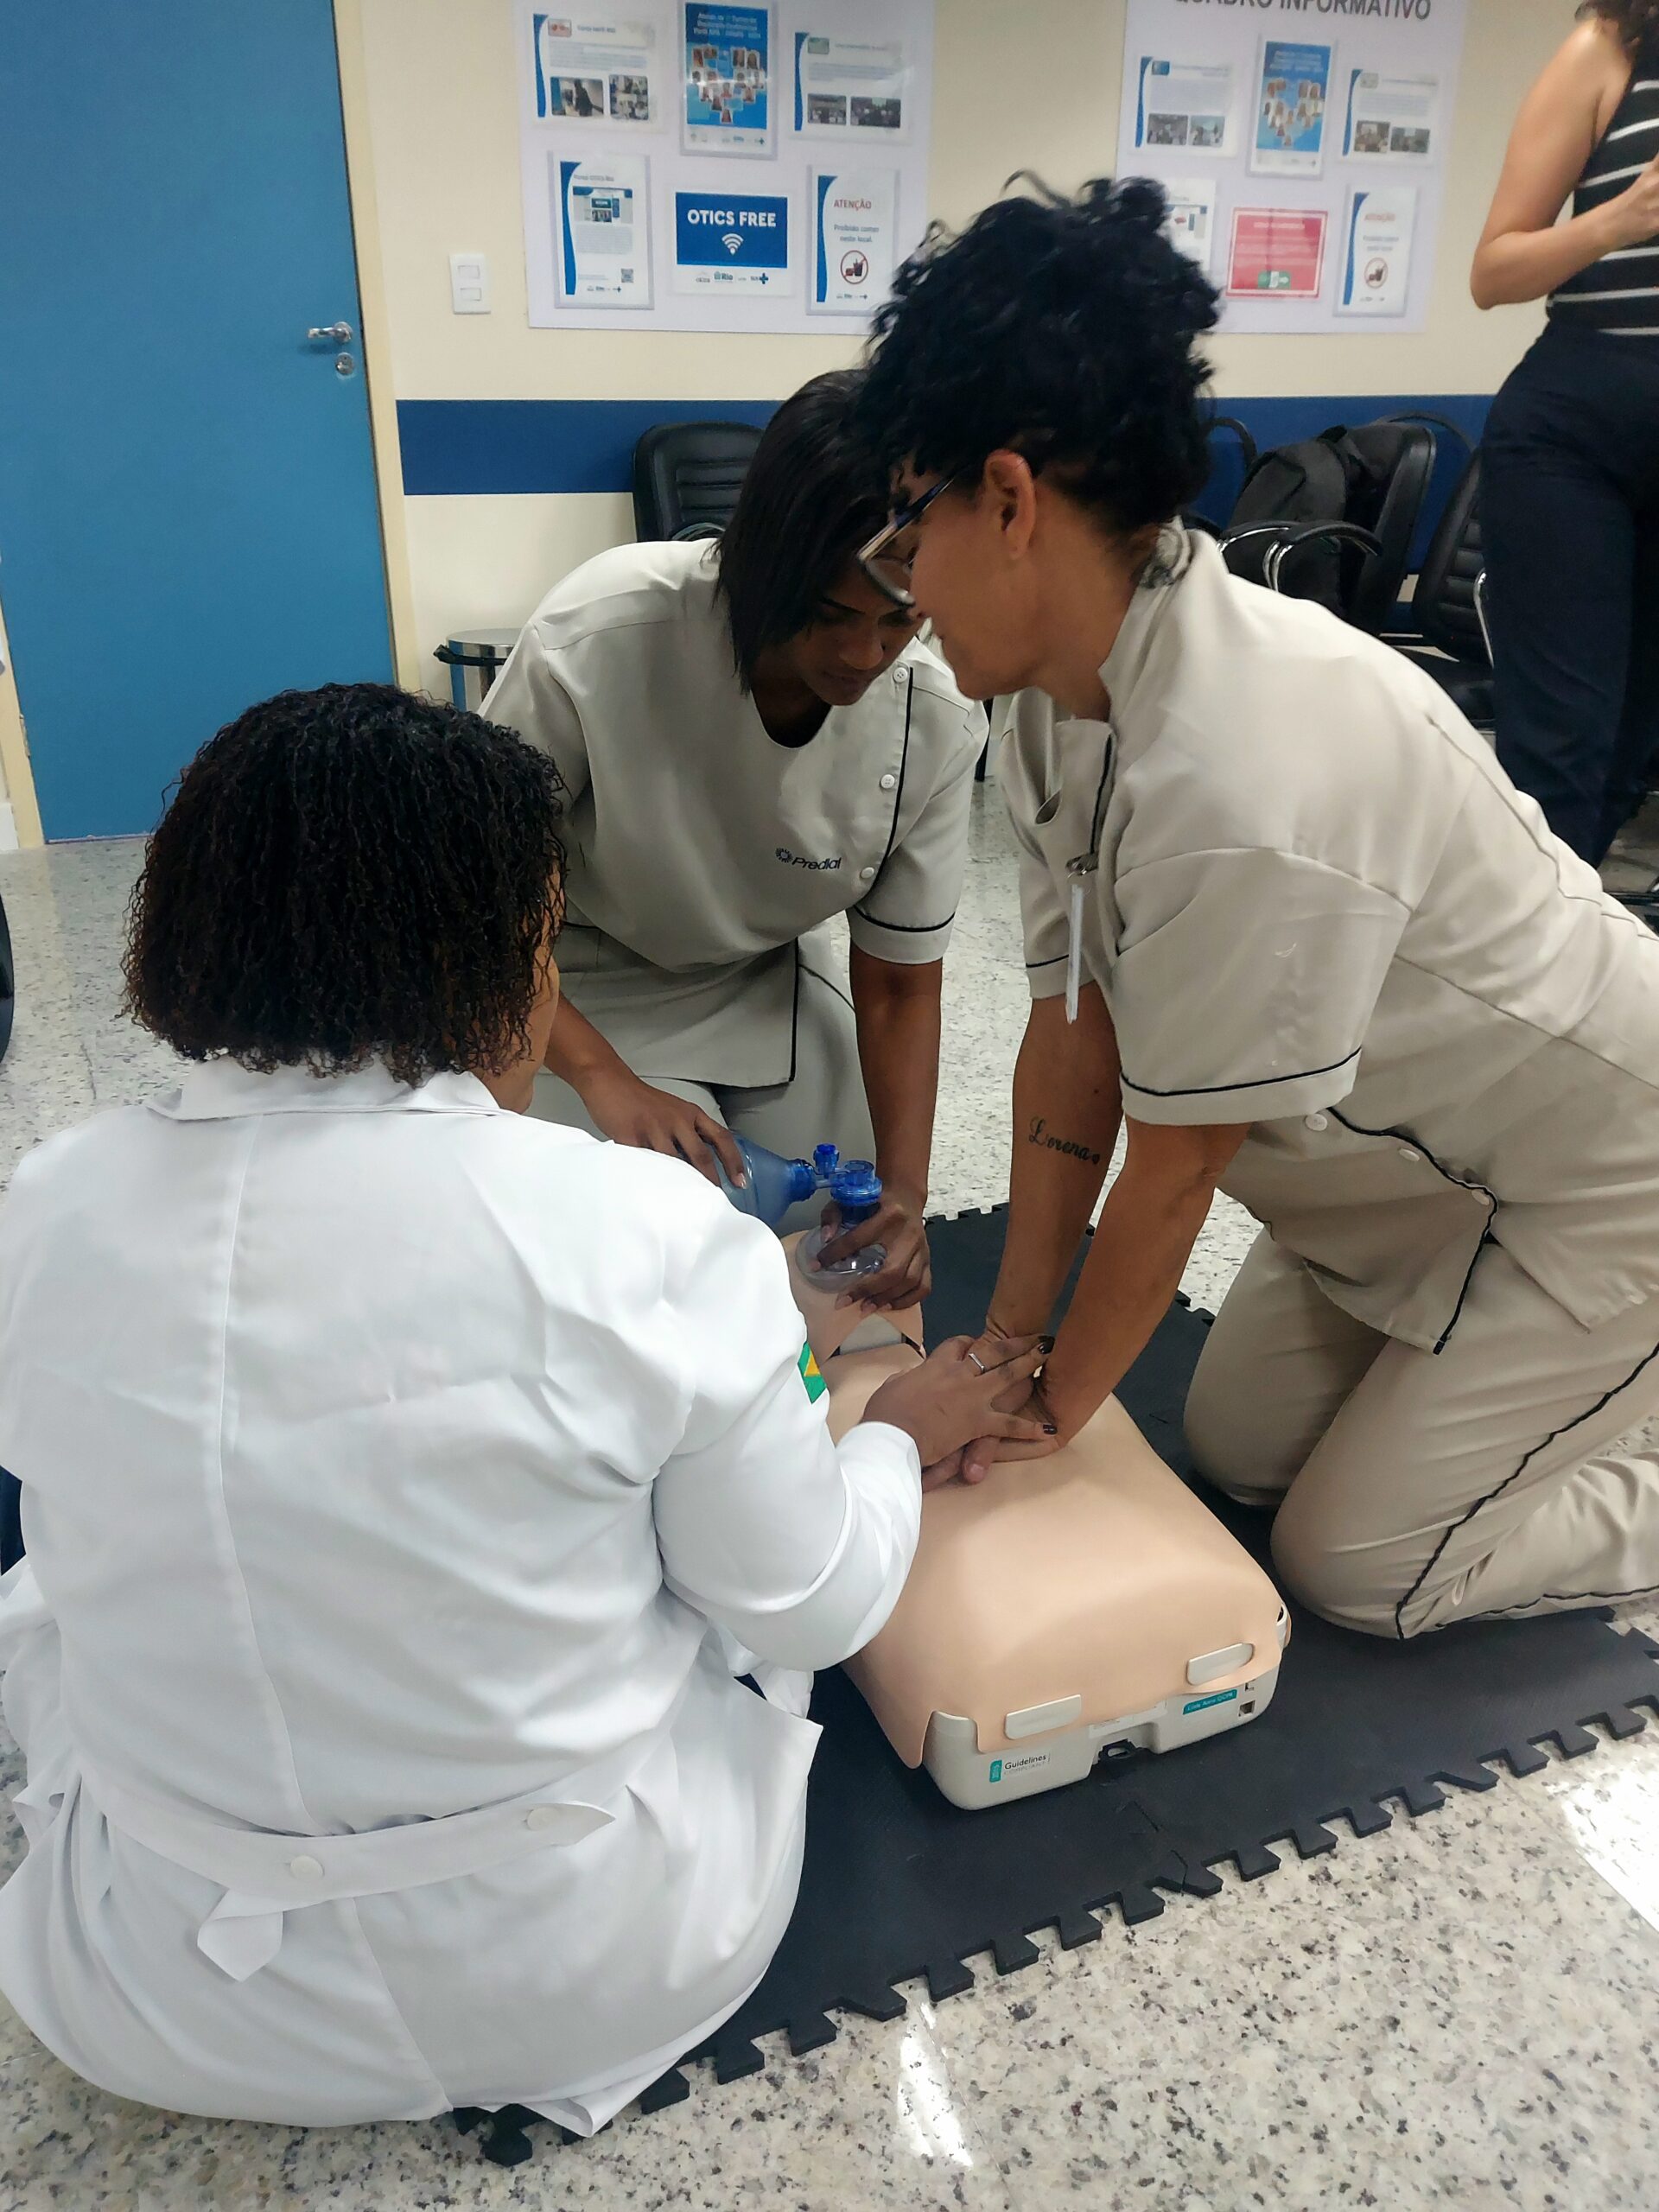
[{"x": 469, "y": 283}]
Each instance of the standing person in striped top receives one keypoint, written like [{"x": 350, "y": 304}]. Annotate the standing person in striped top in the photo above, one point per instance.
[{"x": 1570, "y": 475}]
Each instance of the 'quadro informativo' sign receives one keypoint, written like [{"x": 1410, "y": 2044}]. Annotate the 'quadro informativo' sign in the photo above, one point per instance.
[{"x": 1303, "y": 148}]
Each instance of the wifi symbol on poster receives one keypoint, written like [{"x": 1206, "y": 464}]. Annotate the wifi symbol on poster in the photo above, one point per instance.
[{"x": 733, "y": 242}]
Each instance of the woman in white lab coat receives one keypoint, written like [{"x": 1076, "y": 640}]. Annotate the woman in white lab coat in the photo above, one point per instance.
[
  {"x": 1290, "y": 924},
  {"x": 403, "y": 1481},
  {"x": 754, "y": 743}
]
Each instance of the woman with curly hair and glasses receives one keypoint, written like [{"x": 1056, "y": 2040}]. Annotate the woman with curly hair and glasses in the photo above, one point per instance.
[
  {"x": 1569, "y": 495},
  {"x": 1287, "y": 918},
  {"x": 403, "y": 1480}
]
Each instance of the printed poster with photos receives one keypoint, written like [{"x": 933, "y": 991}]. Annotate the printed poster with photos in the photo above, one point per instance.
[
  {"x": 688, "y": 165},
  {"x": 1303, "y": 154}
]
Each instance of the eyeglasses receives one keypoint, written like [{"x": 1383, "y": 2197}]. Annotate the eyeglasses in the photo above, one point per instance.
[{"x": 886, "y": 561}]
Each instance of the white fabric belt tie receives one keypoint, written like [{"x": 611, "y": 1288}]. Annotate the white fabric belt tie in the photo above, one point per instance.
[{"x": 265, "y": 1876}]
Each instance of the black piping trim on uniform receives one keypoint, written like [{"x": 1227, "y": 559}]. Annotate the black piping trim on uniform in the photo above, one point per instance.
[
  {"x": 795, "y": 1010},
  {"x": 1480, "y": 1504},
  {"x": 1098, "y": 822},
  {"x": 904, "y": 929},
  {"x": 794, "y": 1016},
  {"x": 1405, "y": 1136},
  {"x": 1259, "y": 1082},
  {"x": 1486, "y": 1238},
  {"x": 1575, "y": 1598},
  {"x": 1059, "y": 960},
  {"x": 904, "y": 764}
]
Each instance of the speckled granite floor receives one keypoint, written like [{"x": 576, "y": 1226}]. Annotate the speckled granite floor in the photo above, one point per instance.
[{"x": 1458, "y": 2012}]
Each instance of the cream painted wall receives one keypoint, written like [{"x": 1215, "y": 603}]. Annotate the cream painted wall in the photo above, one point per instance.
[
  {"x": 432, "y": 133},
  {"x": 438, "y": 102},
  {"x": 20, "y": 820}
]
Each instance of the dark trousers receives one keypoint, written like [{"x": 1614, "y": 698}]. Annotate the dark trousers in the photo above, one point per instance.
[
  {"x": 1569, "y": 515},
  {"x": 11, "y": 1526}
]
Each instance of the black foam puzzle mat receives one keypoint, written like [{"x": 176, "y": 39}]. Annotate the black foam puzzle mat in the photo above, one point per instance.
[{"x": 900, "y": 1886}]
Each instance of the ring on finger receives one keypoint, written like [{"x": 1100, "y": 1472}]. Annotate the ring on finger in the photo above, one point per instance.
[{"x": 979, "y": 1363}]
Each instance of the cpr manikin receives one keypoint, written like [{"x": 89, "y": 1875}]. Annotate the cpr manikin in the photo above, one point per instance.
[{"x": 1063, "y": 1608}]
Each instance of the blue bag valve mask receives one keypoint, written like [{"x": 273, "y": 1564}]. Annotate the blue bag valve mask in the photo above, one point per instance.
[{"x": 774, "y": 1185}]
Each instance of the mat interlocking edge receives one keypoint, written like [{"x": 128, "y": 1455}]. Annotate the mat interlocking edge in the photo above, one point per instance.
[{"x": 900, "y": 1886}]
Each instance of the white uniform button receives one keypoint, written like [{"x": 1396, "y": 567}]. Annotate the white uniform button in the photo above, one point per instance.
[
  {"x": 541, "y": 1816},
  {"x": 1409, "y": 1151},
  {"x": 1315, "y": 1121},
  {"x": 305, "y": 1868},
  {"x": 867, "y": 875},
  {"x": 887, "y": 782}
]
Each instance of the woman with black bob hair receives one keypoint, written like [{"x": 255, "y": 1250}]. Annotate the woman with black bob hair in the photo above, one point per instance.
[
  {"x": 1286, "y": 916},
  {"x": 754, "y": 743},
  {"x": 403, "y": 1481}
]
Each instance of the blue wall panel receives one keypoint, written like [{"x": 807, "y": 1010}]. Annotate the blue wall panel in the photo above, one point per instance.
[{"x": 453, "y": 446}]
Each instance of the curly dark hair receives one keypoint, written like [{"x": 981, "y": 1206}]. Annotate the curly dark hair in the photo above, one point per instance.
[
  {"x": 1637, "y": 23},
  {"x": 815, "y": 491},
  {"x": 350, "y": 874},
  {"x": 1062, "y": 329}
]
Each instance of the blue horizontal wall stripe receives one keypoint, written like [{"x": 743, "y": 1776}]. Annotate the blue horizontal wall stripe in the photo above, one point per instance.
[{"x": 457, "y": 446}]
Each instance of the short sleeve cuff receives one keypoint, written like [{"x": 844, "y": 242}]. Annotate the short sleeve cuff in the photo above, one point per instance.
[
  {"x": 1277, "y": 1099},
  {"x": 1047, "y": 977},
  {"x": 905, "y": 945}
]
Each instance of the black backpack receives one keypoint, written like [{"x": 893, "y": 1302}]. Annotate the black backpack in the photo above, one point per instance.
[{"x": 1372, "y": 476}]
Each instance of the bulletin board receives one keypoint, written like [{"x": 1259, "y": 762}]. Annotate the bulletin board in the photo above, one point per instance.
[
  {"x": 689, "y": 166},
  {"x": 1303, "y": 148}
]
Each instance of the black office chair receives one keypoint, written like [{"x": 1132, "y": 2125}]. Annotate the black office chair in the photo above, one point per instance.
[
  {"x": 7, "y": 983},
  {"x": 687, "y": 477},
  {"x": 1450, "y": 637},
  {"x": 1333, "y": 518}
]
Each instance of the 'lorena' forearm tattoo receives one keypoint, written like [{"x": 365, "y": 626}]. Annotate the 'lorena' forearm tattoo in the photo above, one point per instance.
[{"x": 1038, "y": 1134}]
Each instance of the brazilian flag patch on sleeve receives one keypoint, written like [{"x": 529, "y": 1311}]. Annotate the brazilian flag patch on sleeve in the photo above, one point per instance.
[{"x": 811, "y": 1375}]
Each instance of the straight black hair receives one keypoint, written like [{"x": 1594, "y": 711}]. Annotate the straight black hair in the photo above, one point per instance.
[{"x": 815, "y": 492}]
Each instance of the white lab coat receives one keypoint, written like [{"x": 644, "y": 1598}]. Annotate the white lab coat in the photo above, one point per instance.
[{"x": 392, "y": 1467}]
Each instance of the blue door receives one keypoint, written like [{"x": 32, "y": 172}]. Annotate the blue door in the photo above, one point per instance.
[{"x": 187, "y": 510}]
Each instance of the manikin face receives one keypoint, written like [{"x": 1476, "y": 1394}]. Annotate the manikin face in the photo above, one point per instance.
[{"x": 856, "y": 633}]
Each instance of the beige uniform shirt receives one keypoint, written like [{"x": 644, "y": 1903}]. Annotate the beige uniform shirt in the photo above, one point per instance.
[
  {"x": 1314, "y": 902},
  {"x": 701, "y": 851}
]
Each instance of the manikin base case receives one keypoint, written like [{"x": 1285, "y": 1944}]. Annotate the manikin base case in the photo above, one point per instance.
[{"x": 1065, "y": 1608}]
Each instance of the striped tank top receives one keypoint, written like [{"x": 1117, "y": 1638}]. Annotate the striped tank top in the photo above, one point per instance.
[{"x": 1619, "y": 294}]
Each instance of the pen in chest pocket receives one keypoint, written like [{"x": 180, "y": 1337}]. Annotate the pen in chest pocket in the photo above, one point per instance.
[{"x": 1077, "y": 875}]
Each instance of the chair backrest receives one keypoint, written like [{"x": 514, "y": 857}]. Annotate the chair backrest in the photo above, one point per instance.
[
  {"x": 1399, "y": 460},
  {"x": 1375, "y": 475},
  {"x": 1445, "y": 605},
  {"x": 687, "y": 477}
]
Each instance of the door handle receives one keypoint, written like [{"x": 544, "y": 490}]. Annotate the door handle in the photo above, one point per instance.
[{"x": 336, "y": 334}]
